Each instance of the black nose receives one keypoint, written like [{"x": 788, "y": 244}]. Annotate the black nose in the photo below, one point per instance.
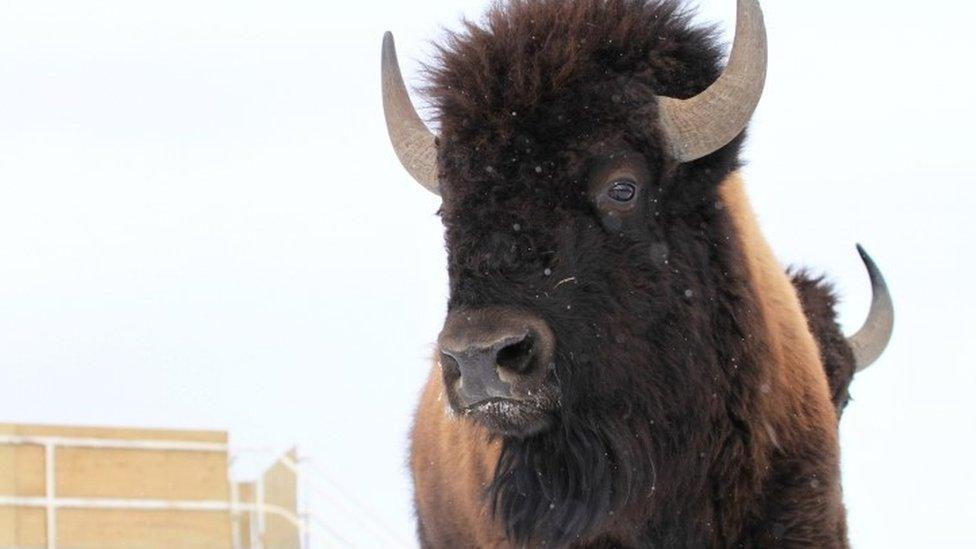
[
  {"x": 493, "y": 354},
  {"x": 487, "y": 371}
]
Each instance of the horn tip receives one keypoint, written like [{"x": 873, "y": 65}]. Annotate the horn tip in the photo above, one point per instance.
[
  {"x": 873, "y": 269},
  {"x": 389, "y": 54}
]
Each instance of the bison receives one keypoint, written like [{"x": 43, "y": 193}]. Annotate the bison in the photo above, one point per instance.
[{"x": 623, "y": 363}]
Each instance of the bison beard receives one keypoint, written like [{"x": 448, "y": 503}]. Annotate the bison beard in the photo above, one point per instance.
[
  {"x": 559, "y": 485},
  {"x": 693, "y": 404},
  {"x": 674, "y": 449}
]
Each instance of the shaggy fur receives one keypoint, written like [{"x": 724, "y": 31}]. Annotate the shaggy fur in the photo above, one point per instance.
[
  {"x": 680, "y": 424},
  {"x": 819, "y": 304}
]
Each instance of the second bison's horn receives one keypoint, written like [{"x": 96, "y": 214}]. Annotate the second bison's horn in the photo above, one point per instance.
[{"x": 872, "y": 339}]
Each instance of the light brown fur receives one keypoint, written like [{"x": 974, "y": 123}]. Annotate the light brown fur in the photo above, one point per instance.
[
  {"x": 452, "y": 462},
  {"x": 800, "y": 385}
]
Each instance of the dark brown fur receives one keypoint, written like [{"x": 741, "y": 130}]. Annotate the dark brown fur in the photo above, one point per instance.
[
  {"x": 695, "y": 410},
  {"x": 819, "y": 305}
]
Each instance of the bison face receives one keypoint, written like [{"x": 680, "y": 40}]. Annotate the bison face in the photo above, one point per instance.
[{"x": 558, "y": 271}]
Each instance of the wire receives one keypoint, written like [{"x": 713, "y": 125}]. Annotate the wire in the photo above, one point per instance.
[{"x": 375, "y": 525}]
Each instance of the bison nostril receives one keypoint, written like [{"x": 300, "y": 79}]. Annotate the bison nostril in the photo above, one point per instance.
[
  {"x": 450, "y": 366},
  {"x": 516, "y": 357}
]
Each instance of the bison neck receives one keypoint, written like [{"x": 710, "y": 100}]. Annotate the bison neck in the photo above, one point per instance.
[
  {"x": 794, "y": 429},
  {"x": 793, "y": 359},
  {"x": 743, "y": 451}
]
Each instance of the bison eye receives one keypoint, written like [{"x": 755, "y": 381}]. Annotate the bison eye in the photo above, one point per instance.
[{"x": 623, "y": 191}]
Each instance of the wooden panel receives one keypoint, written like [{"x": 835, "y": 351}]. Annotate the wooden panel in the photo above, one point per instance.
[
  {"x": 21, "y": 470},
  {"x": 22, "y": 474},
  {"x": 245, "y": 495},
  {"x": 90, "y": 472},
  {"x": 280, "y": 489},
  {"x": 145, "y": 474},
  {"x": 125, "y": 529},
  {"x": 22, "y": 528}
]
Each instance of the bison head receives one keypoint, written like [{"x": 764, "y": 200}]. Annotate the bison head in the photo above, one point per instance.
[{"x": 578, "y": 156}]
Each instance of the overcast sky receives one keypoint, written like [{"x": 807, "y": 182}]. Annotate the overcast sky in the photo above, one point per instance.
[{"x": 202, "y": 225}]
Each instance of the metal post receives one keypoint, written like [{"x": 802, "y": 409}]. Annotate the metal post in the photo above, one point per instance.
[
  {"x": 259, "y": 503},
  {"x": 235, "y": 516},
  {"x": 49, "y": 496},
  {"x": 305, "y": 513}
]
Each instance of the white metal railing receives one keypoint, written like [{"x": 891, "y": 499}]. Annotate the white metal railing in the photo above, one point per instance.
[
  {"x": 358, "y": 511},
  {"x": 50, "y": 502},
  {"x": 308, "y": 527}
]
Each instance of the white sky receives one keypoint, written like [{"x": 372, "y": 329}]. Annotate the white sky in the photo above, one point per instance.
[{"x": 202, "y": 225}]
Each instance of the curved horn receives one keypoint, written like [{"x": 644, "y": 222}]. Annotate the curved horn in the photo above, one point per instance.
[
  {"x": 703, "y": 124},
  {"x": 414, "y": 144},
  {"x": 870, "y": 341}
]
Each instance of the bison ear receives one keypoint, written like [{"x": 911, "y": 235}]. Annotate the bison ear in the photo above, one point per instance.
[{"x": 415, "y": 145}]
